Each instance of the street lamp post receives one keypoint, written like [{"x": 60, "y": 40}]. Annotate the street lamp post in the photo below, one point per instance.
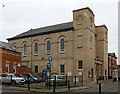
[
  {"x": 49, "y": 68},
  {"x": 97, "y": 69},
  {"x": 49, "y": 63}
]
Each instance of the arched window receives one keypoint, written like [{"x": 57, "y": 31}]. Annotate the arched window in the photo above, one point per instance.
[
  {"x": 62, "y": 45},
  {"x": 24, "y": 50},
  {"x": 14, "y": 44},
  {"x": 48, "y": 46},
  {"x": 36, "y": 48}
]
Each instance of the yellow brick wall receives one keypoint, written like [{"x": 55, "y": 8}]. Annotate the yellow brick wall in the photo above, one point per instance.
[{"x": 77, "y": 47}]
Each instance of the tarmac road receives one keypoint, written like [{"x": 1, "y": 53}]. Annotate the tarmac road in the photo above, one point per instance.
[
  {"x": 106, "y": 88},
  {"x": 109, "y": 88}
]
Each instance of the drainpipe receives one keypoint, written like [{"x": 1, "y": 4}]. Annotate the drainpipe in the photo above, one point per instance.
[{"x": 31, "y": 54}]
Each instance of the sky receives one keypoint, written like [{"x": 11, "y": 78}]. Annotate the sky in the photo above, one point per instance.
[{"x": 18, "y": 16}]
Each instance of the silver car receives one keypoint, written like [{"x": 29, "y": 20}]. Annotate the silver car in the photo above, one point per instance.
[
  {"x": 11, "y": 79},
  {"x": 60, "y": 80}
]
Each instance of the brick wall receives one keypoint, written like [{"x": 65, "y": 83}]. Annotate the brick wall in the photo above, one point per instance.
[
  {"x": 23, "y": 70},
  {"x": 11, "y": 58},
  {"x": 112, "y": 64}
]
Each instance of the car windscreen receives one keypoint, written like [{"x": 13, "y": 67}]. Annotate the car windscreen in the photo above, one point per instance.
[
  {"x": 60, "y": 77},
  {"x": 52, "y": 77},
  {"x": 33, "y": 76},
  {"x": 17, "y": 75},
  {"x": 3, "y": 75}
]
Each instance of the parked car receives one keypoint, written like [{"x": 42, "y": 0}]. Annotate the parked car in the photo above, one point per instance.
[
  {"x": 32, "y": 78},
  {"x": 16, "y": 79},
  {"x": 26, "y": 78},
  {"x": 60, "y": 80}
]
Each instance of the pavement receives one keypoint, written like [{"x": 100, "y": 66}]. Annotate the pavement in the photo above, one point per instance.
[{"x": 45, "y": 89}]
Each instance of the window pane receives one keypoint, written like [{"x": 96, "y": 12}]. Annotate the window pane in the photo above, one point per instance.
[
  {"x": 80, "y": 64},
  {"x": 62, "y": 44},
  {"x": 48, "y": 46},
  {"x": 36, "y": 48},
  {"x": 14, "y": 68},
  {"x": 36, "y": 69},
  {"x": 24, "y": 50},
  {"x": 7, "y": 68},
  {"x": 62, "y": 68}
]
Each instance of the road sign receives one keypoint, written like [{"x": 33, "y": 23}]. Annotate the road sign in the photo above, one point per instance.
[{"x": 49, "y": 59}]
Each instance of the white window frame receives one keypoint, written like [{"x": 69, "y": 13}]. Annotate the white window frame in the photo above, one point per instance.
[
  {"x": 78, "y": 64},
  {"x": 7, "y": 67},
  {"x": 60, "y": 49},
  {"x": 64, "y": 69},
  {"x": 36, "y": 52},
  {"x": 14, "y": 68},
  {"x": 14, "y": 44},
  {"x": 24, "y": 50}
]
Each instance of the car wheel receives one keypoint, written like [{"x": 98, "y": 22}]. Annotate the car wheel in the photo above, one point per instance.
[
  {"x": 21, "y": 83},
  {"x": 13, "y": 83}
]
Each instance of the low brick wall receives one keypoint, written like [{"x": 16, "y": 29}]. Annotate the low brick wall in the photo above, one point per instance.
[{"x": 23, "y": 70}]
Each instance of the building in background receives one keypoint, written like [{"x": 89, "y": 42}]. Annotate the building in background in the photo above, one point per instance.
[
  {"x": 112, "y": 66},
  {"x": 10, "y": 59},
  {"x": 119, "y": 72},
  {"x": 74, "y": 48}
]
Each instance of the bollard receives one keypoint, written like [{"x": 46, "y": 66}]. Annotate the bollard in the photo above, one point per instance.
[
  {"x": 11, "y": 79},
  {"x": 97, "y": 79},
  {"x": 49, "y": 82},
  {"x": 82, "y": 80},
  {"x": 75, "y": 80},
  {"x": 28, "y": 82},
  {"x": 66, "y": 80},
  {"x": 99, "y": 88},
  {"x": 68, "y": 85},
  {"x": 54, "y": 84}
]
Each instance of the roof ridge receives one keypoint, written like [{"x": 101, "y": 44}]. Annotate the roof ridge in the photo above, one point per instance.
[
  {"x": 52, "y": 25},
  {"x": 62, "y": 27}
]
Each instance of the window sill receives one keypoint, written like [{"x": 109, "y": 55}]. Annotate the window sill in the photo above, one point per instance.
[
  {"x": 35, "y": 54},
  {"x": 62, "y": 73},
  {"x": 62, "y": 52},
  {"x": 47, "y": 53},
  {"x": 80, "y": 69},
  {"x": 24, "y": 55}
]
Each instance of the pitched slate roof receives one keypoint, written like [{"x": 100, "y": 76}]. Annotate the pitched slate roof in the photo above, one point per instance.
[
  {"x": 7, "y": 46},
  {"x": 64, "y": 27}
]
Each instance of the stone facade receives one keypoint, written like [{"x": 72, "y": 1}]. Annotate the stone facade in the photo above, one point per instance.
[{"x": 83, "y": 43}]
